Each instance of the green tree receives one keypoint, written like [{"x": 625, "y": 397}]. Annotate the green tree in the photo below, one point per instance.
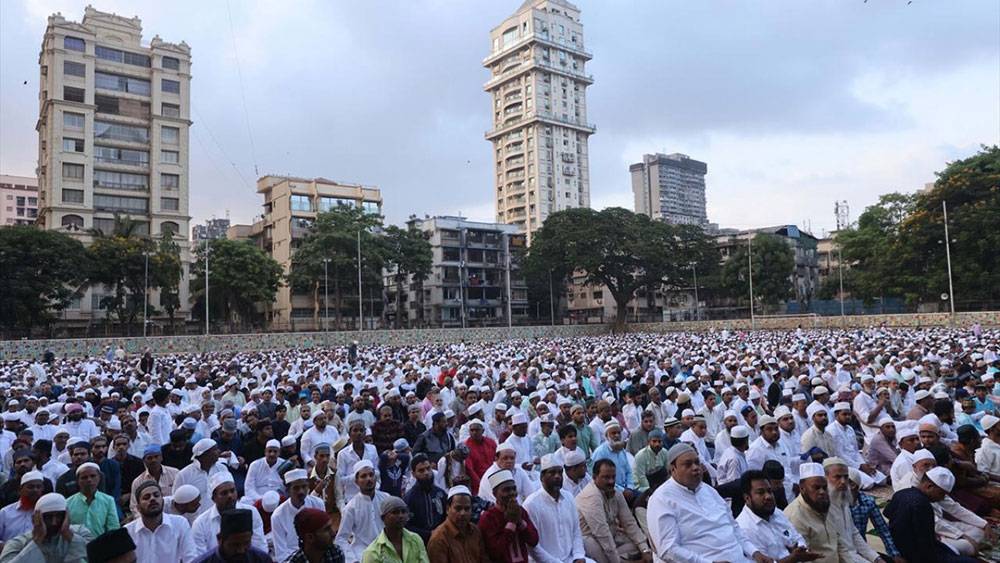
[
  {"x": 168, "y": 272},
  {"x": 616, "y": 248},
  {"x": 241, "y": 276},
  {"x": 40, "y": 272},
  {"x": 118, "y": 262},
  {"x": 773, "y": 265},
  {"x": 408, "y": 255},
  {"x": 334, "y": 237}
]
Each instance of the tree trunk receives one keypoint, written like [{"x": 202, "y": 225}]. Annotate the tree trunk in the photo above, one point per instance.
[
  {"x": 315, "y": 305},
  {"x": 339, "y": 300},
  {"x": 620, "y": 319},
  {"x": 399, "y": 301}
]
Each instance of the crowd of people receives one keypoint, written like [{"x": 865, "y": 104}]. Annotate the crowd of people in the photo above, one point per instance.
[{"x": 690, "y": 447}]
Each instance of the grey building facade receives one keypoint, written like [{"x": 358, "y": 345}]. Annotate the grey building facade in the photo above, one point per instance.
[{"x": 670, "y": 187}]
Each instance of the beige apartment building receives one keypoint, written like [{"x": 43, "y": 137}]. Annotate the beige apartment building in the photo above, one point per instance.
[
  {"x": 18, "y": 200},
  {"x": 113, "y": 136},
  {"x": 290, "y": 207},
  {"x": 538, "y": 88}
]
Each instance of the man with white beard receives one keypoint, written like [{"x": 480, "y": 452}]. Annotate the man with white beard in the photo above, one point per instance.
[{"x": 839, "y": 516}]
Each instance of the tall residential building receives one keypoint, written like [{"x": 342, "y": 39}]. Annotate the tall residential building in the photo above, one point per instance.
[
  {"x": 475, "y": 279},
  {"x": 113, "y": 135},
  {"x": 538, "y": 88},
  {"x": 211, "y": 230},
  {"x": 18, "y": 200},
  {"x": 670, "y": 187},
  {"x": 290, "y": 207}
]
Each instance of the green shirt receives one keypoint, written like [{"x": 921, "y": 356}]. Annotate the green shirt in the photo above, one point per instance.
[
  {"x": 98, "y": 517},
  {"x": 382, "y": 551},
  {"x": 647, "y": 462},
  {"x": 586, "y": 441}
]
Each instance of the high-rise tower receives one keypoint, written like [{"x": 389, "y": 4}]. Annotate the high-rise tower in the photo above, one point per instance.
[{"x": 538, "y": 89}]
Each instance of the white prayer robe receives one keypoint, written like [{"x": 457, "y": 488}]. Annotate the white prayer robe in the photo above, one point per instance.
[
  {"x": 205, "y": 529},
  {"x": 171, "y": 542},
  {"x": 558, "y": 525},
  {"x": 262, "y": 478},
  {"x": 286, "y": 539},
  {"x": 360, "y": 524}
]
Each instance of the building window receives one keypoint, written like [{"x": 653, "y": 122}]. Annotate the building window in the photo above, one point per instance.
[
  {"x": 74, "y": 44},
  {"x": 169, "y": 227},
  {"x": 72, "y": 196},
  {"x": 170, "y": 203},
  {"x": 121, "y": 56},
  {"x": 126, "y": 107},
  {"x": 170, "y": 157},
  {"x": 170, "y": 110},
  {"x": 328, "y": 203},
  {"x": 72, "y": 222},
  {"x": 128, "y": 157},
  {"x": 71, "y": 94},
  {"x": 118, "y": 83},
  {"x": 301, "y": 203},
  {"x": 170, "y": 135},
  {"x": 72, "y": 145},
  {"x": 371, "y": 207},
  {"x": 171, "y": 86},
  {"x": 171, "y": 63},
  {"x": 170, "y": 181},
  {"x": 71, "y": 68},
  {"x": 116, "y": 132},
  {"x": 121, "y": 181},
  {"x": 72, "y": 171},
  {"x": 120, "y": 203}
]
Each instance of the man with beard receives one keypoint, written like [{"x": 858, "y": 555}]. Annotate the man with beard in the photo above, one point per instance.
[
  {"x": 152, "y": 460},
  {"x": 262, "y": 476},
  {"x": 360, "y": 522},
  {"x": 286, "y": 540},
  {"x": 320, "y": 433},
  {"x": 130, "y": 465},
  {"x": 52, "y": 538},
  {"x": 766, "y": 527},
  {"x": 639, "y": 438},
  {"x": 177, "y": 452},
  {"x": 90, "y": 507},
  {"x": 609, "y": 529},
  {"x": 10, "y": 491},
  {"x": 817, "y": 436},
  {"x": 911, "y": 519},
  {"x": 79, "y": 453},
  {"x": 315, "y": 532},
  {"x": 204, "y": 465},
  {"x": 809, "y": 514},
  {"x": 457, "y": 539},
  {"x": 354, "y": 452},
  {"x": 15, "y": 518},
  {"x": 237, "y": 530},
  {"x": 505, "y": 459},
  {"x": 207, "y": 528},
  {"x": 613, "y": 449},
  {"x": 882, "y": 450},
  {"x": 507, "y": 529},
  {"x": 649, "y": 459},
  {"x": 425, "y": 500},
  {"x": 158, "y": 536},
  {"x": 77, "y": 425},
  {"x": 554, "y": 515},
  {"x": 839, "y": 514}
]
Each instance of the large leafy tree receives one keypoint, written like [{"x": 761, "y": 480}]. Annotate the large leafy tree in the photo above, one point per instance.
[
  {"x": 408, "y": 255},
  {"x": 40, "y": 272},
  {"x": 333, "y": 237},
  {"x": 773, "y": 265},
  {"x": 118, "y": 262},
  {"x": 240, "y": 277},
  {"x": 615, "y": 248},
  {"x": 168, "y": 272}
]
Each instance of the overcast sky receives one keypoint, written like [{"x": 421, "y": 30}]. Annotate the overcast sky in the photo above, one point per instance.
[{"x": 792, "y": 104}]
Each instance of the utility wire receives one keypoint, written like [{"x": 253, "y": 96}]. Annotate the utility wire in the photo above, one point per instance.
[{"x": 243, "y": 96}]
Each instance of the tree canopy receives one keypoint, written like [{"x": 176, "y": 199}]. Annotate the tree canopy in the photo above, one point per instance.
[
  {"x": 240, "y": 276},
  {"x": 773, "y": 265}
]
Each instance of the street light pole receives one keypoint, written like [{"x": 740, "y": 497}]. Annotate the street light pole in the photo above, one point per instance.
[
  {"x": 697, "y": 304},
  {"x": 947, "y": 250},
  {"x": 552, "y": 302},
  {"x": 361, "y": 311},
  {"x": 208, "y": 248},
  {"x": 506, "y": 250},
  {"x": 145, "y": 297},
  {"x": 840, "y": 268},
  {"x": 753, "y": 321},
  {"x": 326, "y": 299}
]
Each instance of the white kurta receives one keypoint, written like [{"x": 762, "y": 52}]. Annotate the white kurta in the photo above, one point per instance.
[
  {"x": 558, "y": 525},
  {"x": 360, "y": 524},
  {"x": 732, "y": 465},
  {"x": 171, "y": 542},
  {"x": 346, "y": 458},
  {"x": 262, "y": 478},
  {"x": 286, "y": 539},
  {"x": 313, "y": 437},
  {"x": 194, "y": 475},
  {"x": 205, "y": 529},
  {"x": 772, "y": 536},
  {"x": 694, "y": 526},
  {"x": 525, "y": 486}
]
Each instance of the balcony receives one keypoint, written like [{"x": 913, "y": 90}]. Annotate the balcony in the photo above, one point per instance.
[{"x": 541, "y": 39}]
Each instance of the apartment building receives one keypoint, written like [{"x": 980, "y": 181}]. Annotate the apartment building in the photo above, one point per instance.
[
  {"x": 540, "y": 132},
  {"x": 671, "y": 188},
  {"x": 18, "y": 200},
  {"x": 210, "y": 230},
  {"x": 113, "y": 136},
  {"x": 475, "y": 279},
  {"x": 290, "y": 208}
]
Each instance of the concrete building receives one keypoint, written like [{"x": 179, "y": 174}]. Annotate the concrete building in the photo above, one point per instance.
[
  {"x": 18, "y": 200},
  {"x": 805, "y": 277},
  {"x": 474, "y": 270},
  {"x": 211, "y": 230},
  {"x": 537, "y": 88},
  {"x": 290, "y": 207},
  {"x": 670, "y": 187},
  {"x": 113, "y": 135}
]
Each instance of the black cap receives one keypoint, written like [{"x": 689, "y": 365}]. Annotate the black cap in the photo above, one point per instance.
[
  {"x": 236, "y": 521},
  {"x": 110, "y": 545}
]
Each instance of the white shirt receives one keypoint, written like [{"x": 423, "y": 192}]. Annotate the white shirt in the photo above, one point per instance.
[
  {"x": 13, "y": 521},
  {"x": 84, "y": 428},
  {"x": 360, "y": 524},
  {"x": 732, "y": 465},
  {"x": 53, "y": 469},
  {"x": 42, "y": 431},
  {"x": 346, "y": 458},
  {"x": 314, "y": 436},
  {"x": 762, "y": 451},
  {"x": 903, "y": 464},
  {"x": 192, "y": 474},
  {"x": 558, "y": 525},
  {"x": 159, "y": 425},
  {"x": 772, "y": 536},
  {"x": 171, "y": 542},
  {"x": 262, "y": 478},
  {"x": 847, "y": 444},
  {"x": 137, "y": 447},
  {"x": 525, "y": 486},
  {"x": 205, "y": 529},
  {"x": 686, "y": 526},
  {"x": 987, "y": 457},
  {"x": 572, "y": 488},
  {"x": 286, "y": 539}
]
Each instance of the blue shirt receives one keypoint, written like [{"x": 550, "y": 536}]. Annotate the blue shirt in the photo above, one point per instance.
[
  {"x": 623, "y": 469},
  {"x": 866, "y": 510}
]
